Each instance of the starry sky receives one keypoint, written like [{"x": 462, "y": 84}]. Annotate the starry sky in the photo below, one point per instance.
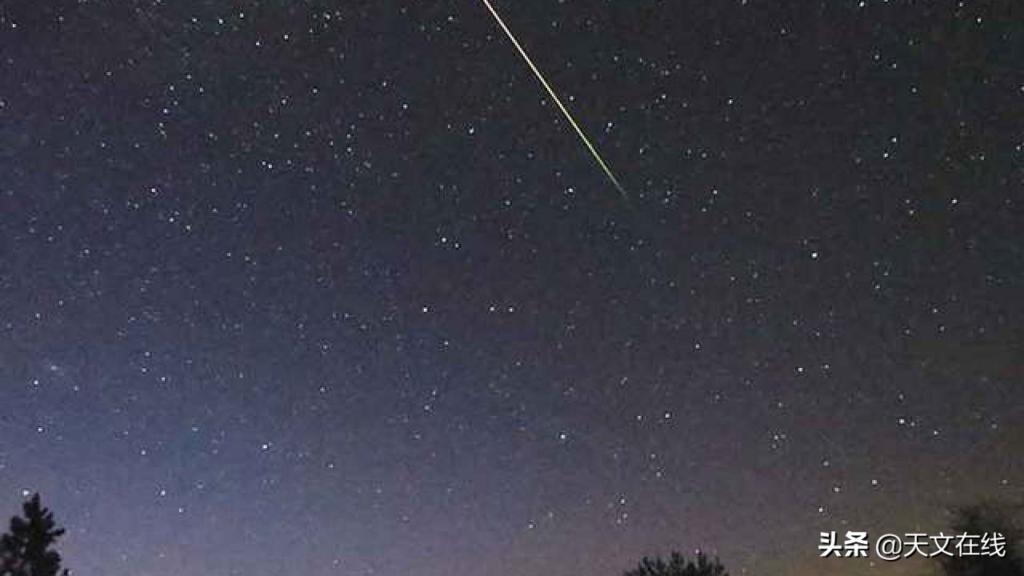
[{"x": 333, "y": 288}]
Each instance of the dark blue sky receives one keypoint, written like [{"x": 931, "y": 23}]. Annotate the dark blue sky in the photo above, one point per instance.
[{"x": 333, "y": 287}]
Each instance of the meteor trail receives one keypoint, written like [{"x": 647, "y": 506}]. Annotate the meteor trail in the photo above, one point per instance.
[{"x": 551, "y": 91}]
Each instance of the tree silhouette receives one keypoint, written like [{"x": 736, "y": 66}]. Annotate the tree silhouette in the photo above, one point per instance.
[
  {"x": 678, "y": 565},
  {"x": 25, "y": 549},
  {"x": 978, "y": 520}
]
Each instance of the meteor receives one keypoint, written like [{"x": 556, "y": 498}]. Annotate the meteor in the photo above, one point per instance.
[{"x": 579, "y": 131}]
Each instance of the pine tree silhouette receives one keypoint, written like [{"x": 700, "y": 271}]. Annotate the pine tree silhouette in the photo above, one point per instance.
[
  {"x": 678, "y": 565},
  {"x": 985, "y": 519},
  {"x": 25, "y": 549}
]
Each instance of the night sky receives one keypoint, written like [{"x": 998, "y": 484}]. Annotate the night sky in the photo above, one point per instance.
[{"x": 333, "y": 288}]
